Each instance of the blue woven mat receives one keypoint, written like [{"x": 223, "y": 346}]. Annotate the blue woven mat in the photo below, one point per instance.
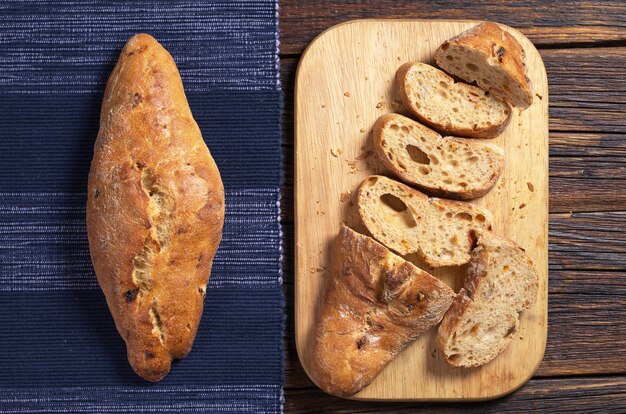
[{"x": 59, "y": 349}]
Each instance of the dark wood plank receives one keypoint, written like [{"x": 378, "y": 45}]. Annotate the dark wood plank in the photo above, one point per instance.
[
  {"x": 542, "y": 21},
  {"x": 588, "y": 241},
  {"x": 555, "y": 396},
  {"x": 566, "y": 144}
]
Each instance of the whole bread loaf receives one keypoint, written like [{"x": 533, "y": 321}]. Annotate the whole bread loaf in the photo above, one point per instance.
[
  {"x": 408, "y": 221},
  {"x": 155, "y": 208},
  {"x": 491, "y": 57},
  {"x": 484, "y": 318},
  {"x": 446, "y": 167},
  {"x": 453, "y": 108},
  {"x": 376, "y": 303}
]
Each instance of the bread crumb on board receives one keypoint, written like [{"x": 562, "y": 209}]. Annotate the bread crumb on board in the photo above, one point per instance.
[
  {"x": 345, "y": 196},
  {"x": 362, "y": 130},
  {"x": 346, "y": 94},
  {"x": 521, "y": 206},
  {"x": 320, "y": 269},
  {"x": 393, "y": 105},
  {"x": 352, "y": 165},
  {"x": 336, "y": 152},
  {"x": 531, "y": 187}
]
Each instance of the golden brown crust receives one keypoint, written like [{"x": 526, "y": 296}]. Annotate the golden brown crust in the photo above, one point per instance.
[
  {"x": 448, "y": 129},
  {"x": 155, "y": 208},
  {"x": 501, "y": 49},
  {"x": 376, "y": 303},
  {"x": 450, "y": 322}
]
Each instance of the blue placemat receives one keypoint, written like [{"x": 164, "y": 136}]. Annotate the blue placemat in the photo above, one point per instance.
[{"x": 59, "y": 349}]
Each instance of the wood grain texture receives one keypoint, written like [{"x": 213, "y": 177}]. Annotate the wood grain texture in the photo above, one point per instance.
[
  {"x": 554, "y": 396},
  {"x": 344, "y": 84},
  {"x": 544, "y": 22}
]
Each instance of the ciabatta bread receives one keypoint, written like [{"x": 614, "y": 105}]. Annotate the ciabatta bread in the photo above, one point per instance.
[
  {"x": 484, "y": 318},
  {"x": 446, "y": 167},
  {"x": 408, "y": 221},
  {"x": 453, "y": 108},
  {"x": 155, "y": 208},
  {"x": 492, "y": 58},
  {"x": 376, "y": 303}
]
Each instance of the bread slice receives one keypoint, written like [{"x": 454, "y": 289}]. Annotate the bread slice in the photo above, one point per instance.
[
  {"x": 452, "y": 108},
  {"x": 376, "y": 303},
  {"x": 493, "y": 59},
  {"x": 446, "y": 167},
  {"x": 407, "y": 221},
  {"x": 484, "y": 318}
]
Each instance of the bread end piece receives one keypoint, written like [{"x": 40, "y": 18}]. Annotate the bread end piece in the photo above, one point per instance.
[
  {"x": 491, "y": 57},
  {"x": 484, "y": 318}
]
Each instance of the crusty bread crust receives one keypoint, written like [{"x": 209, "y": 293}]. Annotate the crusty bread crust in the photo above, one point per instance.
[
  {"x": 485, "y": 125},
  {"x": 376, "y": 303},
  {"x": 460, "y": 168},
  {"x": 498, "y": 50},
  {"x": 483, "y": 319},
  {"x": 155, "y": 208}
]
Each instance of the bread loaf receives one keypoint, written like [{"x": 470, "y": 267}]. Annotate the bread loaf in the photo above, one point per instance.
[
  {"x": 407, "y": 221},
  {"x": 446, "y": 167},
  {"x": 453, "y": 108},
  {"x": 155, "y": 208},
  {"x": 491, "y": 57},
  {"x": 484, "y": 318},
  {"x": 376, "y": 303}
]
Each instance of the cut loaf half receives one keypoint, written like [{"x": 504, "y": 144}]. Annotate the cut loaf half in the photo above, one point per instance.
[
  {"x": 484, "y": 317},
  {"x": 407, "y": 221},
  {"x": 452, "y": 108},
  {"x": 446, "y": 167},
  {"x": 376, "y": 303},
  {"x": 493, "y": 59}
]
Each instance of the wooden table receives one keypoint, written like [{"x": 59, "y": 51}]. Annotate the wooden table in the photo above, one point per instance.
[{"x": 583, "y": 45}]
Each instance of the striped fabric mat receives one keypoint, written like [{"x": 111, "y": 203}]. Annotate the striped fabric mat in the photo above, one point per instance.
[{"x": 59, "y": 347}]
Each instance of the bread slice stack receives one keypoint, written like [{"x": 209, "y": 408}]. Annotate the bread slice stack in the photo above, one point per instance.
[{"x": 377, "y": 302}]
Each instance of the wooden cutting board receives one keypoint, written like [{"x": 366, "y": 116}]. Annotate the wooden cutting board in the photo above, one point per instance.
[{"x": 344, "y": 83}]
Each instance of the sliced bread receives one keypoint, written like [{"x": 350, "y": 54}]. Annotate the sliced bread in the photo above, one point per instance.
[
  {"x": 376, "y": 303},
  {"x": 493, "y": 59},
  {"x": 484, "y": 318},
  {"x": 452, "y": 108},
  {"x": 446, "y": 167},
  {"x": 408, "y": 221}
]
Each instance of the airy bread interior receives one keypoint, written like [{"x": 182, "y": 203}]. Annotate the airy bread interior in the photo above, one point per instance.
[
  {"x": 451, "y": 167},
  {"x": 408, "y": 221},
  {"x": 454, "y": 108}
]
